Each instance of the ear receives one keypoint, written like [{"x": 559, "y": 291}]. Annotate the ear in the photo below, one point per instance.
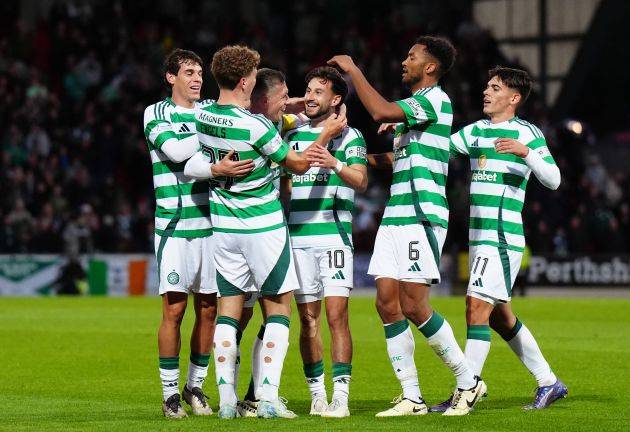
[
  {"x": 431, "y": 68},
  {"x": 170, "y": 78},
  {"x": 336, "y": 100},
  {"x": 515, "y": 99}
]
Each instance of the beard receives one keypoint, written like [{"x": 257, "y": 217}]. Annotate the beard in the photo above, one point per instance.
[{"x": 321, "y": 111}]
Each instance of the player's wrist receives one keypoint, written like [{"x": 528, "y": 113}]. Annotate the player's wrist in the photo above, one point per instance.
[
  {"x": 214, "y": 170},
  {"x": 338, "y": 166}
]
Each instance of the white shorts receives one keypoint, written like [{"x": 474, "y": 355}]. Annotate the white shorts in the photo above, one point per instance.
[
  {"x": 323, "y": 272},
  {"x": 185, "y": 264},
  {"x": 257, "y": 262},
  {"x": 492, "y": 273},
  {"x": 408, "y": 253}
]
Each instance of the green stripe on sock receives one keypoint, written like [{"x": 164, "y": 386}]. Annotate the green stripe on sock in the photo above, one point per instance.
[
  {"x": 200, "y": 359},
  {"x": 341, "y": 369},
  {"x": 314, "y": 370},
  {"x": 510, "y": 335},
  {"x": 479, "y": 332},
  {"x": 261, "y": 332},
  {"x": 394, "y": 329},
  {"x": 229, "y": 321},
  {"x": 431, "y": 327},
  {"x": 279, "y": 319},
  {"x": 169, "y": 362}
]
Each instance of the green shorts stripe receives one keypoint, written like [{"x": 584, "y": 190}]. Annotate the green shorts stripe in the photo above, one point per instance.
[{"x": 278, "y": 274}]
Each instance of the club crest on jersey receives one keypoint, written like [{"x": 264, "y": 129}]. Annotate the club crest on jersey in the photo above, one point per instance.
[
  {"x": 482, "y": 161},
  {"x": 173, "y": 278}
]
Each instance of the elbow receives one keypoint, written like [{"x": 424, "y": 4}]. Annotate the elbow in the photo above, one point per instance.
[
  {"x": 302, "y": 167},
  {"x": 188, "y": 171},
  {"x": 557, "y": 179},
  {"x": 555, "y": 183},
  {"x": 362, "y": 186},
  {"x": 379, "y": 117},
  {"x": 178, "y": 158}
]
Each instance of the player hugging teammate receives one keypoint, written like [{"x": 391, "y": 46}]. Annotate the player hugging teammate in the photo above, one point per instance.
[{"x": 220, "y": 226}]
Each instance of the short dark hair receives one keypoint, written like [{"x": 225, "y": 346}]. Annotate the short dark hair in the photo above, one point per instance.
[
  {"x": 176, "y": 58},
  {"x": 441, "y": 49},
  {"x": 516, "y": 79},
  {"x": 233, "y": 62},
  {"x": 327, "y": 73},
  {"x": 266, "y": 79}
]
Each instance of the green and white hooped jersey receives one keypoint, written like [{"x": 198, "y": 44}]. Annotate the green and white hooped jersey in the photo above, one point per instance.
[
  {"x": 421, "y": 151},
  {"x": 248, "y": 204},
  {"x": 181, "y": 203},
  {"x": 286, "y": 123},
  {"x": 497, "y": 189},
  {"x": 321, "y": 203}
]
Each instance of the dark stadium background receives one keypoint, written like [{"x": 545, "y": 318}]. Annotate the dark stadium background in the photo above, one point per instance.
[{"x": 75, "y": 175}]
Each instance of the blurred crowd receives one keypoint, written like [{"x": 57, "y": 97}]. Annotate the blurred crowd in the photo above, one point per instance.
[{"x": 75, "y": 174}]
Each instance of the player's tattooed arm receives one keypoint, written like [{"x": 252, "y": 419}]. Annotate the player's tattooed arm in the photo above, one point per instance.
[{"x": 379, "y": 108}]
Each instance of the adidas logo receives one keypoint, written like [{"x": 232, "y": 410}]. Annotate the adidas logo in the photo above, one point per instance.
[
  {"x": 475, "y": 143},
  {"x": 339, "y": 276},
  {"x": 414, "y": 267},
  {"x": 184, "y": 128},
  {"x": 478, "y": 283}
]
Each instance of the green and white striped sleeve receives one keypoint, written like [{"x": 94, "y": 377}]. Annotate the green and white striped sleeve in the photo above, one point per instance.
[
  {"x": 538, "y": 143},
  {"x": 418, "y": 110},
  {"x": 267, "y": 140},
  {"x": 157, "y": 129},
  {"x": 356, "y": 149},
  {"x": 459, "y": 142}
]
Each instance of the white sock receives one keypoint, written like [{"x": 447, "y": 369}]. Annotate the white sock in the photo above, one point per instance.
[
  {"x": 256, "y": 349},
  {"x": 400, "y": 349},
  {"x": 225, "y": 352},
  {"x": 315, "y": 381},
  {"x": 197, "y": 370},
  {"x": 341, "y": 381},
  {"x": 477, "y": 347},
  {"x": 273, "y": 352},
  {"x": 169, "y": 375},
  {"x": 525, "y": 347},
  {"x": 440, "y": 337}
]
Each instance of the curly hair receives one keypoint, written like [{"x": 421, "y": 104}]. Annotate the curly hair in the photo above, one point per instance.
[
  {"x": 441, "y": 49},
  {"x": 233, "y": 62},
  {"x": 332, "y": 75}
]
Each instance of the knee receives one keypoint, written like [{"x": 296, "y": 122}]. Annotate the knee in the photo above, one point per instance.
[
  {"x": 309, "y": 324},
  {"x": 388, "y": 309},
  {"x": 337, "y": 320},
  {"x": 174, "y": 313},
  {"x": 416, "y": 312}
]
